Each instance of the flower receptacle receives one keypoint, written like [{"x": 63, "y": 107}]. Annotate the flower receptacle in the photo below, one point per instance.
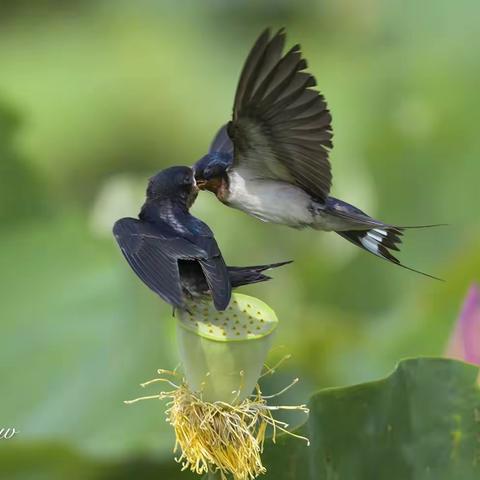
[{"x": 223, "y": 353}]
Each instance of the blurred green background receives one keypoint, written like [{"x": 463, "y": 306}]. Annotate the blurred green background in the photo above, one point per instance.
[{"x": 96, "y": 96}]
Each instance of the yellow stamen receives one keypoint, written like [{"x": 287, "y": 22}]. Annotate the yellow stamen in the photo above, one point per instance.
[{"x": 217, "y": 436}]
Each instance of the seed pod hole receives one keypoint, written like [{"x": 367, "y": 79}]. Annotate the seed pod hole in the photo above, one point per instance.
[{"x": 238, "y": 324}]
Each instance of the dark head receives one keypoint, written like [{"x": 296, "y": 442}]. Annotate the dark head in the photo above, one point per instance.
[
  {"x": 174, "y": 183},
  {"x": 211, "y": 170}
]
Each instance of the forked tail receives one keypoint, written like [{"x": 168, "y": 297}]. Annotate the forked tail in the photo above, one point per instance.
[
  {"x": 373, "y": 236},
  {"x": 245, "y": 275},
  {"x": 381, "y": 241}
]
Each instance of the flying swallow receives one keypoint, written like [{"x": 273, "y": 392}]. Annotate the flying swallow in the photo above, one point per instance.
[
  {"x": 271, "y": 159},
  {"x": 174, "y": 253}
]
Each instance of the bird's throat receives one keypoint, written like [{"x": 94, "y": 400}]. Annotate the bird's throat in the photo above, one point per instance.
[{"x": 218, "y": 186}]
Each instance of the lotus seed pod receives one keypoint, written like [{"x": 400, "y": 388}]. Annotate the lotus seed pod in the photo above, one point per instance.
[{"x": 223, "y": 353}]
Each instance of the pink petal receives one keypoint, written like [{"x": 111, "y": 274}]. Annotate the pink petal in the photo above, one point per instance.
[{"x": 465, "y": 342}]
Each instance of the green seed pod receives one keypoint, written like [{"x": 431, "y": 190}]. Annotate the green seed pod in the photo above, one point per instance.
[{"x": 223, "y": 353}]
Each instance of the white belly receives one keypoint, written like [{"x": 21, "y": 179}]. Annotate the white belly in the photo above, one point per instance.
[{"x": 269, "y": 200}]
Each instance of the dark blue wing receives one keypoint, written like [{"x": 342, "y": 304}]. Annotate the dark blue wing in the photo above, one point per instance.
[
  {"x": 153, "y": 254},
  {"x": 213, "y": 265},
  {"x": 222, "y": 142},
  {"x": 154, "y": 257},
  {"x": 281, "y": 127}
]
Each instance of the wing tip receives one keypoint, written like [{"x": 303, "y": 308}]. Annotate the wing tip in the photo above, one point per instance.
[
  {"x": 223, "y": 303},
  {"x": 121, "y": 224},
  {"x": 264, "y": 37}
]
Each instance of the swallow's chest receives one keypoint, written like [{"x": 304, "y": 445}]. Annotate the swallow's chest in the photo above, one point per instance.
[{"x": 269, "y": 200}]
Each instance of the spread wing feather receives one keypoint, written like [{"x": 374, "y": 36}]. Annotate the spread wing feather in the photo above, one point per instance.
[{"x": 280, "y": 127}]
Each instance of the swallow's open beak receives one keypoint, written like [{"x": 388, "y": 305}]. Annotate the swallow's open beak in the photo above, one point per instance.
[
  {"x": 202, "y": 184},
  {"x": 212, "y": 184},
  {"x": 199, "y": 182}
]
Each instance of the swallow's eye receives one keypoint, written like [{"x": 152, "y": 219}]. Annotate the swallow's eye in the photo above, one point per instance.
[{"x": 187, "y": 180}]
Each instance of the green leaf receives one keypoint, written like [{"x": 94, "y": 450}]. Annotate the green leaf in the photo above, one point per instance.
[{"x": 421, "y": 422}]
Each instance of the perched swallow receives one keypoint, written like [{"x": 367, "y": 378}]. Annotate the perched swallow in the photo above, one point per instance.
[
  {"x": 271, "y": 159},
  {"x": 174, "y": 253}
]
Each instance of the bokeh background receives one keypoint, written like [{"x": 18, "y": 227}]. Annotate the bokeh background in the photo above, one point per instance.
[{"x": 96, "y": 96}]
